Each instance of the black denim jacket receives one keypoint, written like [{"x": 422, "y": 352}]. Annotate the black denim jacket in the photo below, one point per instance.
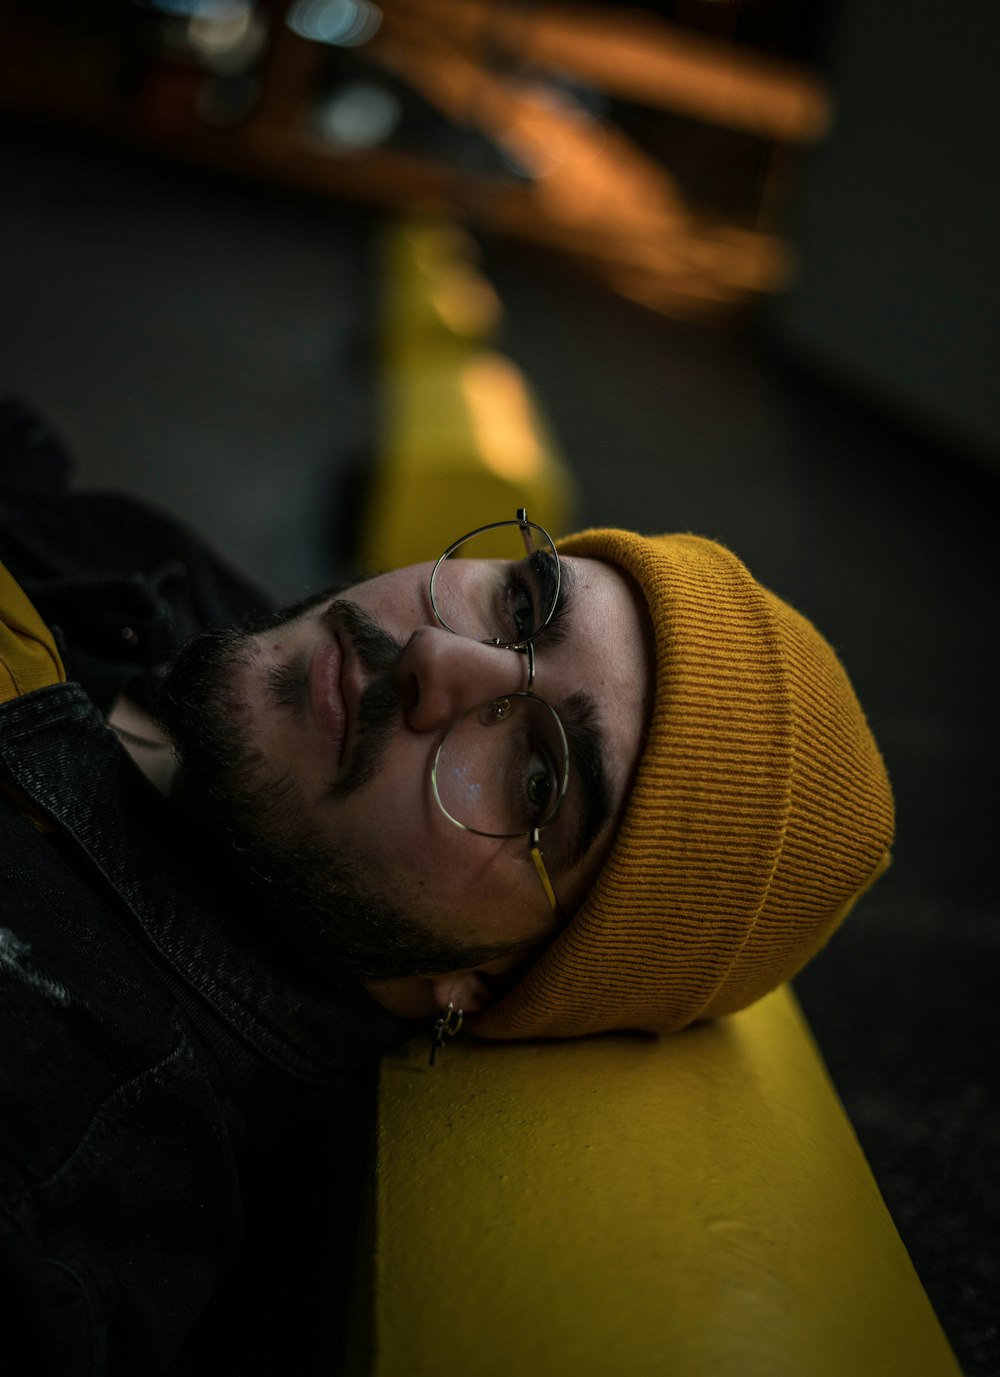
[{"x": 184, "y": 1103}]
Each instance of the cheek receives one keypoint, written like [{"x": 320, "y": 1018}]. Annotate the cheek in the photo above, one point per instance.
[
  {"x": 457, "y": 884},
  {"x": 390, "y": 825}
]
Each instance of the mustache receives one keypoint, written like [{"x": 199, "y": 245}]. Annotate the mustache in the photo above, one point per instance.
[
  {"x": 376, "y": 649},
  {"x": 379, "y": 710}
]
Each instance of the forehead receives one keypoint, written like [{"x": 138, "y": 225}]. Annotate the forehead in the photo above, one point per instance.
[{"x": 615, "y": 632}]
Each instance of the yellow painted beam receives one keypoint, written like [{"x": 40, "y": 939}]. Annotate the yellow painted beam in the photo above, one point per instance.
[
  {"x": 696, "y": 1206},
  {"x": 459, "y": 446},
  {"x": 437, "y": 305},
  {"x": 462, "y": 439}
]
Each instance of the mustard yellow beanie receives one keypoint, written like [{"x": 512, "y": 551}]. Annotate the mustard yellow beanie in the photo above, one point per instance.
[{"x": 759, "y": 813}]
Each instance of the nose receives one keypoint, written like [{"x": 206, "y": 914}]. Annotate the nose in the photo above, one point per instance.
[{"x": 443, "y": 675}]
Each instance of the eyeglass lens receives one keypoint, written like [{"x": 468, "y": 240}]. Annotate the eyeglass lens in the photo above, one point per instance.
[
  {"x": 501, "y": 770},
  {"x": 489, "y": 588}
]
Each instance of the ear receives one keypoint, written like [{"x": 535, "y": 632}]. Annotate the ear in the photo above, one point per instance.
[{"x": 472, "y": 991}]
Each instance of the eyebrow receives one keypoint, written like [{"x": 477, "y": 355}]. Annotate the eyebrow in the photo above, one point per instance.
[
  {"x": 581, "y": 721},
  {"x": 594, "y": 806},
  {"x": 544, "y": 570}
]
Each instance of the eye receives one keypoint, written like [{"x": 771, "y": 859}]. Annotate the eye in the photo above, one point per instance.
[
  {"x": 540, "y": 786},
  {"x": 539, "y": 791},
  {"x": 518, "y": 609}
]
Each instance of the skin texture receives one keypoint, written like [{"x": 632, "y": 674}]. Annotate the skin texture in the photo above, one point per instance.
[{"x": 335, "y": 763}]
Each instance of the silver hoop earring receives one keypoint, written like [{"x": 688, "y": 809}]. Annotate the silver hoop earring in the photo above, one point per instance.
[{"x": 446, "y": 1024}]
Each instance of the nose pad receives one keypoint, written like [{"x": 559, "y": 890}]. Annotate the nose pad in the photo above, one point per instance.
[{"x": 443, "y": 675}]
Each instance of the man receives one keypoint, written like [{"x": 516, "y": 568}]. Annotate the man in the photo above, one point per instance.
[{"x": 620, "y": 786}]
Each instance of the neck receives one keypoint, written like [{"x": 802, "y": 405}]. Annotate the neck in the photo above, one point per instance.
[{"x": 146, "y": 742}]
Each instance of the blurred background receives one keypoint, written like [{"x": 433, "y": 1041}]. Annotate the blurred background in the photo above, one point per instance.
[{"x": 335, "y": 281}]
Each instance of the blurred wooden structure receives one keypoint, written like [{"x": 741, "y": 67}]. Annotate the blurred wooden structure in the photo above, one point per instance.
[{"x": 514, "y": 75}]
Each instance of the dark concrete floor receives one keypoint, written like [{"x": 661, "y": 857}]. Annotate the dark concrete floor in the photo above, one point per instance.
[{"x": 198, "y": 343}]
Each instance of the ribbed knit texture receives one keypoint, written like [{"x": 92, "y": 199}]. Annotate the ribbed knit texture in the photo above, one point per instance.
[{"x": 760, "y": 811}]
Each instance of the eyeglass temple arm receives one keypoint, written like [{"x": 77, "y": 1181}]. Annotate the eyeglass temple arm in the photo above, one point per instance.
[
  {"x": 543, "y": 875},
  {"x": 522, "y": 517}
]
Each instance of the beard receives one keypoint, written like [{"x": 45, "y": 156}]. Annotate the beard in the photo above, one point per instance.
[{"x": 327, "y": 906}]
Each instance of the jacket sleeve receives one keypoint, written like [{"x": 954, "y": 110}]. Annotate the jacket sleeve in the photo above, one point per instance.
[{"x": 120, "y": 1193}]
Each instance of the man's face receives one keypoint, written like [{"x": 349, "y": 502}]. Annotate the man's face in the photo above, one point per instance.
[{"x": 313, "y": 742}]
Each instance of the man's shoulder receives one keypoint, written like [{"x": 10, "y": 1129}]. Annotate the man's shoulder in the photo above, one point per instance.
[
  {"x": 121, "y": 583},
  {"x": 96, "y": 538},
  {"x": 52, "y": 529}
]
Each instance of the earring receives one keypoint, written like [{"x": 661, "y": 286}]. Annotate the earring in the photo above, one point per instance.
[{"x": 446, "y": 1025}]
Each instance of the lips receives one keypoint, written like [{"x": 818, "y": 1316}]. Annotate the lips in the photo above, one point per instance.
[{"x": 326, "y": 694}]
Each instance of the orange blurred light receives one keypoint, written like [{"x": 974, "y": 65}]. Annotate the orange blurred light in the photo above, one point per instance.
[{"x": 502, "y": 417}]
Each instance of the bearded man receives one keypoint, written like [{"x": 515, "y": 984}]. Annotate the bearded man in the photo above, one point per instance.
[{"x": 528, "y": 789}]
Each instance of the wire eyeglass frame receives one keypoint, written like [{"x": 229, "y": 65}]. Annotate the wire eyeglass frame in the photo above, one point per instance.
[{"x": 502, "y": 704}]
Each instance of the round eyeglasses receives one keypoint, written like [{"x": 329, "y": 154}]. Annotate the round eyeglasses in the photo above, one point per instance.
[{"x": 502, "y": 769}]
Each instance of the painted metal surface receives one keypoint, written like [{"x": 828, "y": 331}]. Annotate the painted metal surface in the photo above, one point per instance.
[{"x": 697, "y": 1206}]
